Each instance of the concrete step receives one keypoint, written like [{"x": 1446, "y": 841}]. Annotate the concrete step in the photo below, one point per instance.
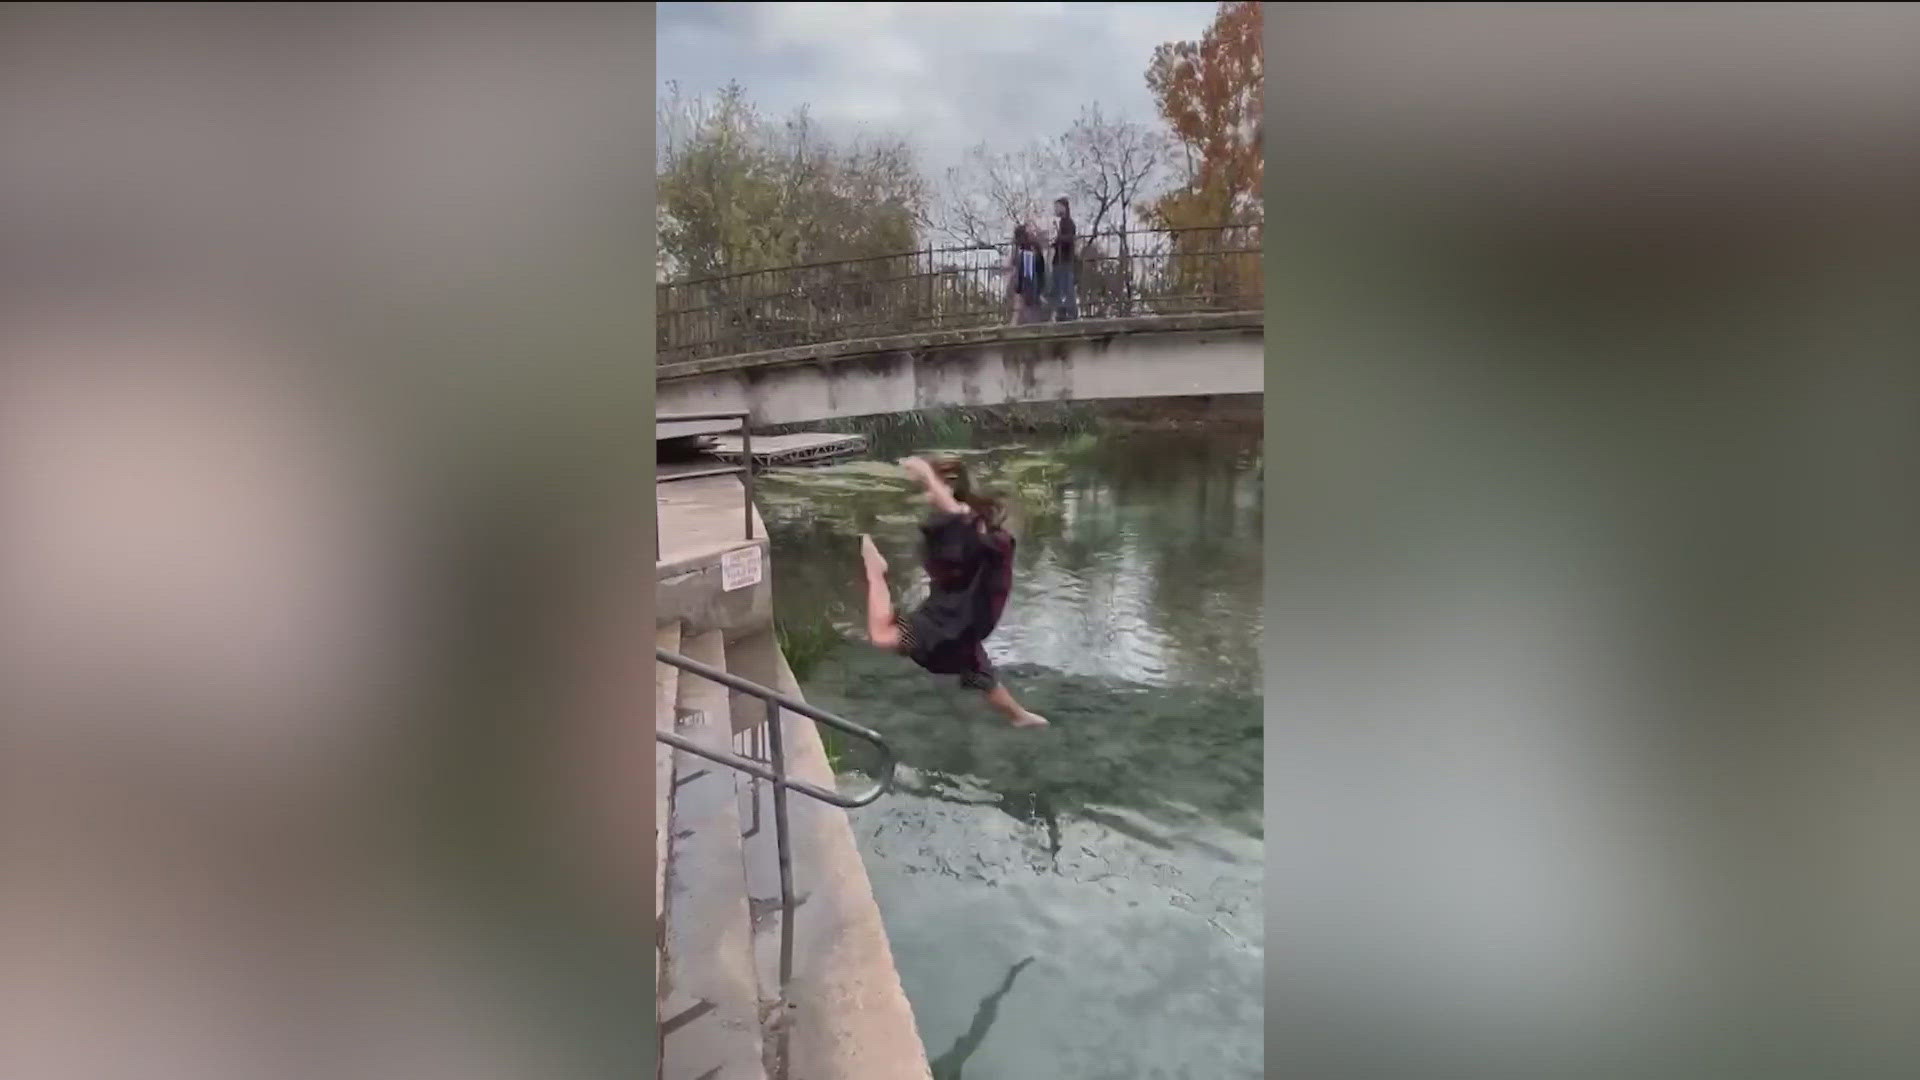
[
  {"x": 666, "y": 690},
  {"x": 701, "y": 518},
  {"x": 845, "y": 1016},
  {"x": 759, "y": 840},
  {"x": 709, "y": 1011},
  {"x": 759, "y": 846}
]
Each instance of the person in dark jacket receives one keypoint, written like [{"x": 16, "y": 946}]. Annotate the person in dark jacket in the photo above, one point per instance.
[
  {"x": 968, "y": 556},
  {"x": 1066, "y": 305},
  {"x": 1027, "y": 277}
]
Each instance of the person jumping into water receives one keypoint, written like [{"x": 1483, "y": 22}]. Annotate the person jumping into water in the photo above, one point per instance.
[{"x": 969, "y": 562}]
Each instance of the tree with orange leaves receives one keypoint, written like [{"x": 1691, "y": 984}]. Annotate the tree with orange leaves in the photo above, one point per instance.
[{"x": 1209, "y": 93}]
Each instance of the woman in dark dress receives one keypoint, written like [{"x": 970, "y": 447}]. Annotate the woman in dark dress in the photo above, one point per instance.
[{"x": 969, "y": 563}]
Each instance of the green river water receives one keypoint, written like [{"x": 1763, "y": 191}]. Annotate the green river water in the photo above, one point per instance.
[{"x": 1081, "y": 902}]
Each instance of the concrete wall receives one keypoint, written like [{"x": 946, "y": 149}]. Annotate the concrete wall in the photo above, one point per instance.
[
  {"x": 689, "y": 591},
  {"x": 1158, "y": 356}
]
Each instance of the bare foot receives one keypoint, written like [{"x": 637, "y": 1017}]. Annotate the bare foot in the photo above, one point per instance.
[
  {"x": 1029, "y": 720},
  {"x": 876, "y": 563}
]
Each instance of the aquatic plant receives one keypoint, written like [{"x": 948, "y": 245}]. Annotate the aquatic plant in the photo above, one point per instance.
[{"x": 805, "y": 645}]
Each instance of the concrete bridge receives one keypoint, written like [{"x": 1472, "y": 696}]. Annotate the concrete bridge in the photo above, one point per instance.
[{"x": 1086, "y": 360}]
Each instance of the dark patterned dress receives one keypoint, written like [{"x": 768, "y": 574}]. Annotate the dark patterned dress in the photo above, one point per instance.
[{"x": 970, "y": 576}]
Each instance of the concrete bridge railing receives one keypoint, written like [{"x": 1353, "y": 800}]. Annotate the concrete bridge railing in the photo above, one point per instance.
[
  {"x": 1198, "y": 354},
  {"x": 1121, "y": 274}
]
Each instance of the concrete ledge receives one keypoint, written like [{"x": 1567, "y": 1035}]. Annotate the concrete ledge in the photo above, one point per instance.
[
  {"x": 685, "y": 429},
  {"x": 689, "y": 591},
  {"x": 941, "y": 339},
  {"x": 1156, "y": 357},
  {"x": 850, "y": 1018},
  {"x": 685, "y": 562},
  {"x": 700, "y": 522},
  {"x": 710, "y": 992}
]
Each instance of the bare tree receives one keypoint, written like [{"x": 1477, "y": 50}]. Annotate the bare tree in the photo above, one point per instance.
[
  {"x": 1109, "y": 165},
  {"x": 987, "y": 194},
  {"x": 677, "y": 118}
]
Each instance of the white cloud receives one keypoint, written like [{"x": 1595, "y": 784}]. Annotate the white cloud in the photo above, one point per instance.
[{"x": 947, "y": 76}]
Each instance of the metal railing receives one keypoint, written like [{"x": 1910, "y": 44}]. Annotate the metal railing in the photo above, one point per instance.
[
  {"x": 1119, "y": 273},
  {"x": 777, "y": 775},
  {"x": 744, "y": 469}
]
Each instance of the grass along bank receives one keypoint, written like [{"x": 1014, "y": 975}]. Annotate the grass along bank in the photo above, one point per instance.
[{"x": 804, "y": 646}]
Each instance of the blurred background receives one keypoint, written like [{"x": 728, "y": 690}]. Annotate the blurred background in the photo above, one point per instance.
[
  {"x": 1592, "y": 730},
  {"x": 322, "y": 332}
]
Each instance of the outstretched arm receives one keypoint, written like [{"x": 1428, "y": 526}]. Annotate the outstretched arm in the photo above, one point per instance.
[{"x": 938, "y": 493}]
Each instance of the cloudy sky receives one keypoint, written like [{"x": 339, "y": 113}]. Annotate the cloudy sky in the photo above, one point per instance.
[{"x": 948, "y": 76}]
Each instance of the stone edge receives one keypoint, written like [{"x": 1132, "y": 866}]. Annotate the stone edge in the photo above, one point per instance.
[{"x": 830, "y": 352}]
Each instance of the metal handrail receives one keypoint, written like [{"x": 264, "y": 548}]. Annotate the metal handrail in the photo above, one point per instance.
[
  {"x": 776, "y": 744},
  {"x": 1179, "y": 230},
  {"x": 745, "y": 468},
  {"x": 883, "y": 775},
  {"x": 1121, "y": 271}
]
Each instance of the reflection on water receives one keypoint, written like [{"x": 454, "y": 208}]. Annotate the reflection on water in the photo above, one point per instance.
[
  {"x": 1139, "y": 554},
  {"x": 1114, "y": 860}
]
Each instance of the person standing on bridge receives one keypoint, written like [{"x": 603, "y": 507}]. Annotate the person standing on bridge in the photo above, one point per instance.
[
  {"x": 1066, "y": 306},
  {"x": 969, "y": 563},
  {"x": 1027, "y": 278}
]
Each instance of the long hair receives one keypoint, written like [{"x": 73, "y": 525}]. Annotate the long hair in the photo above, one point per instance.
[{"x": 988, "y": 508}]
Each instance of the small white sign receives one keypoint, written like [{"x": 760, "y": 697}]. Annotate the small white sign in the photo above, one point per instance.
[{"x": 740, "y": 568}]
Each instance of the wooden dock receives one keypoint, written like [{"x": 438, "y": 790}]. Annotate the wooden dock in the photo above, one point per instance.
[{"x": 796, "y": 449}]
